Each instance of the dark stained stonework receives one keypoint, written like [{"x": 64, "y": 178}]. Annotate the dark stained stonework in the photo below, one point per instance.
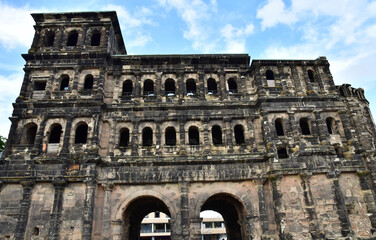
[{"x": 100, "y": 138}]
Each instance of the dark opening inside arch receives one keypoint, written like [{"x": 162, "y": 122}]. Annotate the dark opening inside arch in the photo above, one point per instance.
[
  {"x": 330, "y": 125},
  {"x": 49, "y": 39},
  {"x": 170, "y": 136},
  {"x": 29, "y": 133},
  {"x": 55, "y": 133},
  {"x": 72, "y": 38},
  {"x": 282, "y": 152},
  {"x": 64, "y": 83},
  {"x": 89, "y": 81},
  {"x": 147, "y": 137},
  {"x": 137, "y": 210},
  {"x": 279, "y": 127},
  {"x": 124, "y": 137},
  {"x": 194, "y": 136},
  {"x": 212, "y": 86},
  {"x": 191, "y": 86},
  {"x": 217, "y": 135},
  {"x": 81, "y": 133},
  {"x": 304, "y": 126},
  {"x": 311, "y": 76},
  {"x": 232, "y": 86},
  {"x": 170, "y": 87},
  {"x": 149, "y": 88},
  {"x": 95, "y": 38},
  {"x": 232, "y": 211},
  {"x": 239, "y": 134},
  {"x": 269, "y": 75},
  {"x": 127, "y": 88}
]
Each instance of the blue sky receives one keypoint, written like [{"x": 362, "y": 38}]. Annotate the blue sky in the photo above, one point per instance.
[{"x": 343, "y": 31}]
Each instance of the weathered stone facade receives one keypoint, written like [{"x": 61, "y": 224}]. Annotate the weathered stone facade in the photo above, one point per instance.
[{"x": 100, "y": 138}]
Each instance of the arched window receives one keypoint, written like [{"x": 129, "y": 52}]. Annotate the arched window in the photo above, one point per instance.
[
  {"x": 194, "y": 136},
  {"x": 148, "y": 88},
  {"x": 127, "y": 88},
  {"x": 269, "y": 75},
  {"x": 64, "y": 83},
  {"x": 72, "y": 38},
  {"x": 232, "y": 86},
  {"x": 282, "y": 152},
  {"x": 311, "y": 76},
  {"x": 304, "y": 126},
  {"x": 147, "y": 137},
  {"x": 81, "y": 133},
  {"x": 330, "y": 124},
  {"x": 170, "y": 136},
  {"x": 212, "y": 86},
  {"x": 29, "y": 133},
  {"x": 95, "y": 38},
  {"x": 191, "y": 87},
  {"x": 239, "y": 134},
  {"x": 55, "y": 133},
  {"x": 170, "y": 87},
  {"x": 88, "y": 82},
  {"x": 124, "y": 137},
  {"x": 49, "y": 39},
  {"x": 279, "y": 127},
  {"x": 216, "y": 135}
]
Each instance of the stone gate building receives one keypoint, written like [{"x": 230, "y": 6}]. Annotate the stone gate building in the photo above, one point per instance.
[{"x": 99, "y": 139}]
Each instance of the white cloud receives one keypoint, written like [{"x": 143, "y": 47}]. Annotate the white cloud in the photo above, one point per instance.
[
  {"x": 235, "y": 37},
  {"x": 274, "y": 12},
  {"x": 195, "y": 13},
  {"x": 132, "y": 24},
  {"x": 10, "y": 88},
  {"x": 16, "y": 28}
]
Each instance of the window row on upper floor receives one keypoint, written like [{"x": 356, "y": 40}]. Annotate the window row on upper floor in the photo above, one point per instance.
[
  {"x": 72, "y": 37},
  {"x": 147, "y": 86},
  {"x": 193, "y": 133}
]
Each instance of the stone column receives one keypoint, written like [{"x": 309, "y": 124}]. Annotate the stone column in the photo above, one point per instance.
[
  {"x": 206, "y": 144},
  {"x": 292, "y": 127},
  {"x": 320, "y": 126},
  {"x": 184, "y": 210},
  {"x": 137, "y": 85},
  {"x": 222, "y": 85},
  {"x": 75, "y": 79},
  {"x": 54, "y": 230},
  {"x": 339, "y": 199},
  {"x": 67, "y": 133},
  {"x": 282, "y": 77},
  {"x": 369, "y": 199},
  {"x": 228, "y": 132},
  {"x": 23, "y": 214},
  {"x": 319, "y": 78},
  {"x": 263, "y": 218},
  {"x": 158, "y": 136},
  {"x": 182, "y": 149},
  {"x": 97, "y": 120},
  {"x": 296, "y": 79},
  {"x": 306, "y": 80},
  {"x": 310, "y": 206},
  {"x": 100, "y": 83},
  {"x": 135, "y": 138},
  {"x": 38, "y": 142},
  {"x": 279, "y": 213},
  {"x": 106, "y": 220},
  {"x": 201, "y": 86},
  {"x": 88, "y": 209}
]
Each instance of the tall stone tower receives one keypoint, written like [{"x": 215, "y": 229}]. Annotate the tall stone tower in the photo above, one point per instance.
[{"x": 99, "y": 139}]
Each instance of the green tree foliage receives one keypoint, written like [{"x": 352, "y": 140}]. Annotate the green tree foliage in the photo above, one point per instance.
[{"x": 3, "y": 140}]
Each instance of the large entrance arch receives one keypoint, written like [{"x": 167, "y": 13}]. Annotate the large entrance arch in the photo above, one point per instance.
[
  {"x": 232, "y": 211},
  {"x": 137, "y": 210}
]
